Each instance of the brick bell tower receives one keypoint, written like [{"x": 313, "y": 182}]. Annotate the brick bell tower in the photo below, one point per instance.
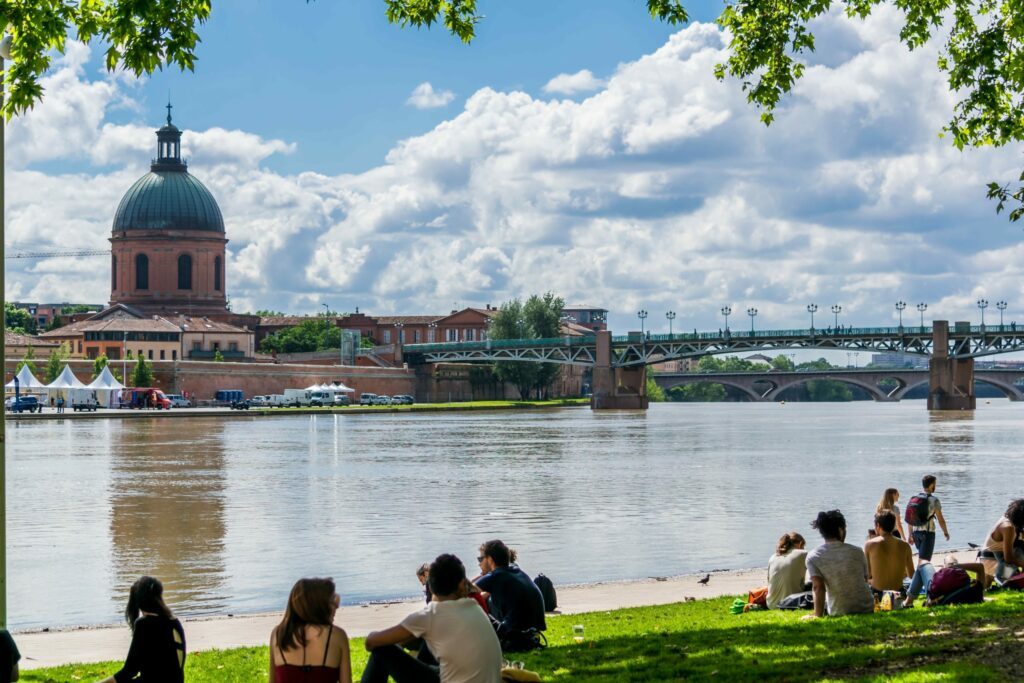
[{"x": 168, "y": 239}]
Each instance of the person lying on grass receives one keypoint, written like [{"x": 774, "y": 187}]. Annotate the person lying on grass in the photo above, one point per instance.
[
  {"x": 453, "y": 626},
  {"x": 838, "y": 571}
]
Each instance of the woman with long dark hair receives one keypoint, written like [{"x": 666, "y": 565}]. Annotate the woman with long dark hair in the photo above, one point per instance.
[
  {"x": 157, "y": 652},
  {"x": 1002, "y": 554},
  {"x": 307, "y": 634}
]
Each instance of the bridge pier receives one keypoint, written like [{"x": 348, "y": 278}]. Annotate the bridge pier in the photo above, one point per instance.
[
  {"x": 951, "y": 380},
  {"x": 616, "y": 388}
]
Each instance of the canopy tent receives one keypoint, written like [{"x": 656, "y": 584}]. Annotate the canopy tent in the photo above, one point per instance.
[
  {"x": 315, "y": 387},
  {"x": 342, "y": 388},
  {"x": 26, "y": 380},
  {"x": 67, "y": 380},
  {"x": 108, "y": 383}
]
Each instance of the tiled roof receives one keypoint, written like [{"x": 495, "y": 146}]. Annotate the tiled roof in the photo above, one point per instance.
[
  {"x": 196, "y": 324},
  {"x": 15, "y": 339},
  {"x": 408, "y": 319}
]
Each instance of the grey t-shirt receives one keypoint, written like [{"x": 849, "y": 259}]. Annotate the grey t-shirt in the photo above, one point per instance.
[{"x": 844, "y": 569}]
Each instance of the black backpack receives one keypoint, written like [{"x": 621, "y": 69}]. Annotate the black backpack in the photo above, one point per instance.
[
  {"x": 918, "y": 510},
  {"x": 547, "y": 590}
]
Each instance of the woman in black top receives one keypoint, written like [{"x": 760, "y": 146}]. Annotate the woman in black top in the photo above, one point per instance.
[{"x": 157, "y": 652}]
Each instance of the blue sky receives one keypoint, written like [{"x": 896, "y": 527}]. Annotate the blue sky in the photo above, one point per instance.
[
  {"x": 575, "y": 147},
  {"x": 333, "y": 76}
]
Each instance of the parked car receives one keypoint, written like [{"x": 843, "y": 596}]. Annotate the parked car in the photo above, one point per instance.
[
  {"x": 382, "y": 401},
  {"x": 368, "y": 399},
  {"x": 342, "y": 400},
  {"x": 260, "y": 401},
  {"x": 87, "y": 405},
  {"x": 24, "y": 404},
  {"x": 179, "y": 401},
  {"x": 241, "y": 405},
  {"x": 402, "y": 400}
]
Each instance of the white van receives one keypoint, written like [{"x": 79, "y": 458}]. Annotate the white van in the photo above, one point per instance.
[
  {"x": 367, "y": 399},
  {"x": 297, "y": 397}
]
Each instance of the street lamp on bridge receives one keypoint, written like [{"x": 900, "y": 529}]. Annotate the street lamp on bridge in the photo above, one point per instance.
[
  {"x": 836, "y": 310},
  {"x": 900, "y": 307},
  {"x": 983, "y": 304},
  {"x": 642, "y": 314},
  {"x": 752, "y": 312},
  {"x": 671, "y": 315},
  {"x": 1001, "y": 305},
  {"x": 726, "y": 311},
  {"x": 922, "y": 307},
  {"x": 812, "y": 309}
]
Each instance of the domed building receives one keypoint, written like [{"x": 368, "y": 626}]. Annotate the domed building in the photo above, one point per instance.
[{"x": 168, "y": 240}]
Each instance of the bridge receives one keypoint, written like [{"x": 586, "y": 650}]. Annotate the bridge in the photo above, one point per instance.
[
  {"x": 882, "y": 384},
  {"x": 619, "y": 362}
]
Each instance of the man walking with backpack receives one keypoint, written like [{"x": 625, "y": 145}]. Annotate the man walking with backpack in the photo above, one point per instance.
[{"x": 922, "y": 512}]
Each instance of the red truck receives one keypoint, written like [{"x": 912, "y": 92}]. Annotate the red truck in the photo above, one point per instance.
[{"x": 143, "y": 398}]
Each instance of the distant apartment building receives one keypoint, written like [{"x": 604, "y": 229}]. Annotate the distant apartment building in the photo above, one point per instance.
[
  {"x": 45, "y": 314},
  {"x": 593, "y": 318},
  {"x": 899, "y": 360}
]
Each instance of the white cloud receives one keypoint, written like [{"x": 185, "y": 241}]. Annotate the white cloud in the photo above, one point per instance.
[
  {"x": 660, "y": 189},
  {"x": 425, "y": 97},
  {"x": 572, "y": 84}
]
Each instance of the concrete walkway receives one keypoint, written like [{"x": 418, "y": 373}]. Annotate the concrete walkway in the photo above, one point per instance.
[{"x": 40, "y": 649}]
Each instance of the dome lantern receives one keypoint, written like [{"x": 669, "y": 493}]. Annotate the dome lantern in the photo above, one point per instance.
[{"x": 168, "y": 147}]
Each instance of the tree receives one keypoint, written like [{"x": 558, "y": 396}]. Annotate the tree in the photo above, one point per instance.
[
  {"x": 538, "y": 318},
  {"x": 218, "y": 357},
  {"x": 55, "y": 363},
  {"x": 19, "y": 320},
  {"x": 267, "y": 313},
  {"x": 314, "y": 334},
  {"x": 29, "y": 361},
  {"x": 702, "y": 392},
  {"x": 142, "y": 375},
  {"x": 655, "y": 394}
]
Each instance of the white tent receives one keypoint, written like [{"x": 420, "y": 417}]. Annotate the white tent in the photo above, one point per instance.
[
  {"x": 343, "y": 388},
  {"x": 315, "y": 387},
  {"x": 66, "y": 385},
  {"x": 106, "y": 382},
  {"x": 26, "y": 380},
  {"x": 67, "y": 380}
]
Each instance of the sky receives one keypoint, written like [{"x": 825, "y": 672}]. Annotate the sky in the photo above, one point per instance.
[{"x": 580, "y": 148}]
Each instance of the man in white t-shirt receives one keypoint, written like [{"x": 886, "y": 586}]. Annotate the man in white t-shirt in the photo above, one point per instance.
[
  {"x": 453, "y": 626},
  {"x": 838, "y": 571}
]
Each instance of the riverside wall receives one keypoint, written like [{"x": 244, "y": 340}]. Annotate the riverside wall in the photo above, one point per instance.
[{"x": 443, "y": 382}]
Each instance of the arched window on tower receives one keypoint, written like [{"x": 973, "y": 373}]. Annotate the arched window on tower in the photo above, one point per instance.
[
  {"x": 113, "y": 272},
  {"x": 216, "y": 274},
  {"x": 141, "y": 272},
  {"x": 184, "y": 272}
]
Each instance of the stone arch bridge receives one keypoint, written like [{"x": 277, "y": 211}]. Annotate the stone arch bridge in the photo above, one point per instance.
[{"x": 881, "y": 384}]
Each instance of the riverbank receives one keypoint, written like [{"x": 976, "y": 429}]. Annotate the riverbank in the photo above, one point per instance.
[
  {"x": 114, "y": 414},
  {"x": 54, "y": 648}
]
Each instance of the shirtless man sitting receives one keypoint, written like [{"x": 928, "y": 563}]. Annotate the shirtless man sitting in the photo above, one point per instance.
[{"x": 890, "y": 560}]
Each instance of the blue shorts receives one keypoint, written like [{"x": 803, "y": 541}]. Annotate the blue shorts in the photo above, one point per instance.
[{"x": 925, "y": 543}]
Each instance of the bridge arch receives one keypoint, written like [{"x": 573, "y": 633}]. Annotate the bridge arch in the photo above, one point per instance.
[
  {"x": 745, "y": 388},
  {"x": 1009, "y": 389},
  {"x": 872, "y": 389}
]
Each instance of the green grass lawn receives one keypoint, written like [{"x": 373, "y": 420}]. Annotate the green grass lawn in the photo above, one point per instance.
[{"x": 702, "y": 640}]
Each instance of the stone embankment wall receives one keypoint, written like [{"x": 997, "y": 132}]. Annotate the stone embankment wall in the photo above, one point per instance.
[{"x": 430, "y": 383}]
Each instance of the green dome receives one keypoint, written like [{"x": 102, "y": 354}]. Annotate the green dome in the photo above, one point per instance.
[{"x": 168, "y": 200}]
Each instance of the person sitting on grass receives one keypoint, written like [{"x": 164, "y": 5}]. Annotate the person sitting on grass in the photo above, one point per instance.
[
  {"x": 1002, "y": 556},
  {"x": 453, "y": 626},
  {"x": 157, "y": 652},
  {"x": 786, "y": 569},
  {"x": 838, "y": 570},
  {"x": 9, "y": 657},
  {"x": 307, "y": 634},
  {"x": 890, "y": 560},
  {"x": 515, "y": 602}
]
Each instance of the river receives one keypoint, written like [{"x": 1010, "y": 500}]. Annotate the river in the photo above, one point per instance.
[{"x": 229, "y": 512}]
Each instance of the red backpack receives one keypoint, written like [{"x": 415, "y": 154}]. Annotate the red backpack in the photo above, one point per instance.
[
  {"x": 918, "y": 510},
  {"x": 954, "y": 586}
]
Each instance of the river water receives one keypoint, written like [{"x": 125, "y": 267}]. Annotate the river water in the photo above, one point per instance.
[{"x": 229, "y": 512}]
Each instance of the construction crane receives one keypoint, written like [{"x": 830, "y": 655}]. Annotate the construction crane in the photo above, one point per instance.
[{"x": 56, "y": 254}]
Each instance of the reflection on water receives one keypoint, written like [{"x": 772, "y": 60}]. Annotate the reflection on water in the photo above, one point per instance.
[
  {"x": 167, "y": 513},
  {"x": 228, "y": 513}
]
